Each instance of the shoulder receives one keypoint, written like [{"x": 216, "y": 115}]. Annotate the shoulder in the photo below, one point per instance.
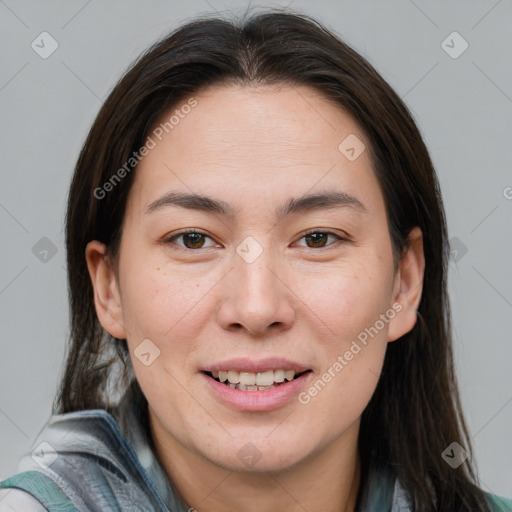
[
  {"x": 81, "y": 461},
  {"x": 73, "y": 455},
  {"x": 499, "y": 503},
  {"x": 15, "y": 500},
  {"x": 32, "y": 491}
]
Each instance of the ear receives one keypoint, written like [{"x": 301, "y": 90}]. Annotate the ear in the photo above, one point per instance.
[
  {"x": 107, "y": 299},
  {"x": 408, "y": 286}
]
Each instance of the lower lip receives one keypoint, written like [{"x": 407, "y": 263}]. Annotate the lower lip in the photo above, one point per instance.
[{"x": 257, "y": 400}]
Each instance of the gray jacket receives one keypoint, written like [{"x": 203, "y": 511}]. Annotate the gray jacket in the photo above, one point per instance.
[{"x": 92, "y": 461}]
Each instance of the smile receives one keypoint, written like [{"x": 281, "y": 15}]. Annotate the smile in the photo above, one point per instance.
[
  {"x": 250, "y": 381},
  {"x": 256, "y": 397}
]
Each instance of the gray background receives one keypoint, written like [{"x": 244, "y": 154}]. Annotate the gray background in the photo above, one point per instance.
[{"x": 463, "y": 107}]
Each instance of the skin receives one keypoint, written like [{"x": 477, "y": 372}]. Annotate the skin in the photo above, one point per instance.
[{"x": 255, "y": 148}]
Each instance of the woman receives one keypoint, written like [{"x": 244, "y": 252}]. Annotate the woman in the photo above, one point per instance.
[{"x": 257, "y": 262}]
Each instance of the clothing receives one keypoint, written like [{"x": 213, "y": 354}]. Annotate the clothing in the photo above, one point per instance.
[{"x": 92, "y": 461}]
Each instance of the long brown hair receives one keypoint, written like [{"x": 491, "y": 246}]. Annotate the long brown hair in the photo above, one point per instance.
[{"x": 415, "y": 412}]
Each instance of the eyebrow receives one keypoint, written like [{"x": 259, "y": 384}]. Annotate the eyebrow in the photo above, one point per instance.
[{"x": 304, "y": 204}]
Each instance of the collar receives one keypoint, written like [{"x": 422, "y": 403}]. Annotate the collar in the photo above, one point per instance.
[
  {"x": 132, "y": 417},
  {"x": 382, "y": 491}
]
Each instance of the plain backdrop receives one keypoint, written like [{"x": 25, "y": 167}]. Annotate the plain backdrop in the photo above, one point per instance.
[{"x": 461, "y": 98}]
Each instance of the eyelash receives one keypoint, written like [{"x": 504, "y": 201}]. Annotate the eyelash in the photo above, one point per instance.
[{"x": 307, "y": 233}]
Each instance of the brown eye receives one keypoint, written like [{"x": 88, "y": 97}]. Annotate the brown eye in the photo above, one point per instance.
[
  {"x": 196, "y": 240},
  {"x": 318, "y": 239},
  {"x": 191, "y": 240}
]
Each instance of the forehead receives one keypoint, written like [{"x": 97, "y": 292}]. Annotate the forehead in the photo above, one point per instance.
[{"x": 256, "y": 143}]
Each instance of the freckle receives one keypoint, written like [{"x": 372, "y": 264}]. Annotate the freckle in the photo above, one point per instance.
[{"x": 158, "y": 268}]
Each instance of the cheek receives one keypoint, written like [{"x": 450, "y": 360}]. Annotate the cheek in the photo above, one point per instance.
[
  {"x": 346, "y": 300},
  {"x": 163, "y": 306},
  {"x": 351, "y": 305}
]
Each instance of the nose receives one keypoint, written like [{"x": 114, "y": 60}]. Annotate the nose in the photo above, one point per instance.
[{"x": 255, "y": 296}]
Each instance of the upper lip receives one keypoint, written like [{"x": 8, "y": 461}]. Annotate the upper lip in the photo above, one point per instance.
[{"x": 242, "y": 364}]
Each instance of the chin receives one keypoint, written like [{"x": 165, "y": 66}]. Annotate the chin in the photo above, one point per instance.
[{"x": 256, "y": 454}]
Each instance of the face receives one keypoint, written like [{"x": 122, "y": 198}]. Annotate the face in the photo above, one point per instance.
[{"x": 289, "y": 269}]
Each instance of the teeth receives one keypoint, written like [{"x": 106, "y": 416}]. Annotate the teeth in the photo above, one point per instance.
[
  {"x": 250, "y": 388},
  {"x": 289, "y": 374},
  {"x": 249, "y": 380},
  {"x": 279, "y": 375},
  {"x": 265, "y": 378},
  {"x": 233, "y": 377}
]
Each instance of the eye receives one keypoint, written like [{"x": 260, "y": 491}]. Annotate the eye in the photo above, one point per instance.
[
  {"x": 192, "y": 239},
  {"x": 318, "y": 238}
]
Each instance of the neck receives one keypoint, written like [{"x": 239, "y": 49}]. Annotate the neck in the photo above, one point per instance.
[{"x": 328, "y": 480}]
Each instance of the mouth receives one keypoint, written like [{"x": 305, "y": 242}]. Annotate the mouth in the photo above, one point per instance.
[{"x": 251, "y": 381}]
